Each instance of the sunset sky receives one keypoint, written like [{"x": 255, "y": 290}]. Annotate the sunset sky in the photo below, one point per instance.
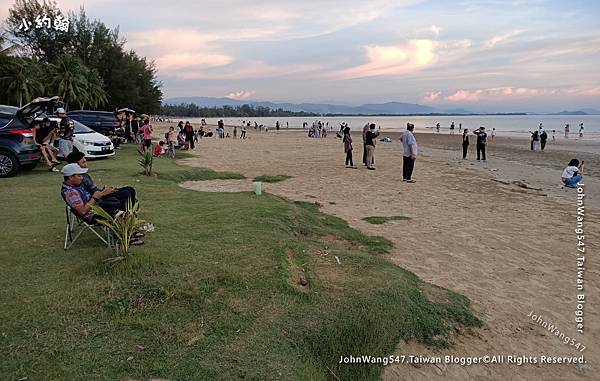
[{"x": 508, "y": 55}]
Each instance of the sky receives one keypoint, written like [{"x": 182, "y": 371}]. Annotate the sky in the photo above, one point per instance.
[{"x": 482, "y": 55}]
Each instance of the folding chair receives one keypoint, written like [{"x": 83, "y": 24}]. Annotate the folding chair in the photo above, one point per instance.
[{"x": 77, "y": 225}]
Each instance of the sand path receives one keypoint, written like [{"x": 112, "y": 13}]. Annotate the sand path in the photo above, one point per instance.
[{"x": 510, "y": 252}]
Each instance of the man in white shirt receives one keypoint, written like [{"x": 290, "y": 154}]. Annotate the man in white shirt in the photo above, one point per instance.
[{"x": 409, "y": 154}]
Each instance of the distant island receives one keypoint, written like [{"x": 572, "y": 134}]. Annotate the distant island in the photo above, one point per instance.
[{"x": 227, "y": 107}]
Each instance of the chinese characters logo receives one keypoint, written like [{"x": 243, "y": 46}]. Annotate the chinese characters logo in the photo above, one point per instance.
[{"x": 60, "y": 23}]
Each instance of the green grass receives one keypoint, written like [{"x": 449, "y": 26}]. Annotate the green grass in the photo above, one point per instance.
[
  {"x": 212, "y": 294},
  {"x": 378, "y": 220},
  {"x": 272, "y": 179}
]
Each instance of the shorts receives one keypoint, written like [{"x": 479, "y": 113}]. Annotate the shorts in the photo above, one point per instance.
[
  {"x": 65, "y": 147},
  {"x": 147, "y": 143}
]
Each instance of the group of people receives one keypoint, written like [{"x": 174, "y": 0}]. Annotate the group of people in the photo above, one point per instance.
[
  {"x": 54, "y": 140},
  {"x": 481, "y": 142}
]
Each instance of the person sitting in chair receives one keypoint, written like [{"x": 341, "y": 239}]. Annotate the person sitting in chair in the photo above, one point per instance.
[
  {"x": 78, "y": 198},
  {"x": 117, "y": 198}
]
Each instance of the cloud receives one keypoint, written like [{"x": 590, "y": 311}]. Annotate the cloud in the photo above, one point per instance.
[
  {"x": 392, "y": 60},
  {"x": 175, "y": 61},
  {"x": 503, "y": 38},
  {"x": 248, "y": 69},
  {"x": 432, "y": 96},
  {"x": 500, "y": 94},
  {"x": 240, "y": 94},
  {"x": 436, "y": 30}
]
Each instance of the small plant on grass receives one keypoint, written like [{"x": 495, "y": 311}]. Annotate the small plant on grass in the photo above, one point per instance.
[
  {"x": 378, "y": 220},
  {"x": 146, "y": 162},
  {"x": 272, "y": 179},
  {"x": 123, "y": 226}
]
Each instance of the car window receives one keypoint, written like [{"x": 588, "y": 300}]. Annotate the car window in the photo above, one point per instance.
[
  {"x": 5, "y": 119},
  {"x": 81, "y": 129}
]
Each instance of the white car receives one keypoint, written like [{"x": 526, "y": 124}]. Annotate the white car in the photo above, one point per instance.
[{"x": 88, "y": 141}]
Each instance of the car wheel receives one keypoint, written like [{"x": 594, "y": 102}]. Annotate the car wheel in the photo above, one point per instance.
[{"x": 9, "y": 164}]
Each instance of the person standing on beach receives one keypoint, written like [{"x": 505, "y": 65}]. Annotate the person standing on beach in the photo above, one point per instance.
[
  {"x": 535, "y": 140},
  {"x": 553, "y": 135},
  {"x": 481, "y": 142},
  {"x": 364, "y": 139},
  {"x": 147, "y": 131},
  {"x": 171, "y": 142},
  {"x": 235, "y": 132},
  {"x": 452, "y": 128},
  {"x": 371, "y": 138},
  {"x": 348, "y": 148},
  {"x": 581, "y": 130},
  {"x": 277, "y": 126},
  {"x": 465, "y": 142},
  {"x": 188, "y": 130},
  {"x": 543, "y": 139},
  {"x": 493, "y": 136},
  {"x": 243, "y": 136},
  {"x": 409, "y": 153},
  {"x": 437, "y": 128},
  {"x": 567, "y": 128}
]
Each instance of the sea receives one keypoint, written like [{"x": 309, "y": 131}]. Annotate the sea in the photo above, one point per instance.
[{"x": 505, "y": 125}]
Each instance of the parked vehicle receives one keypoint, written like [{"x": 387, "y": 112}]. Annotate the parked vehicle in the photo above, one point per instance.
[
  {"x": 18, "y": 151},
  {"x": 104, "y": 122}
]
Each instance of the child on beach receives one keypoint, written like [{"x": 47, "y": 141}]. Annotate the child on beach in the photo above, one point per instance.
[
  {"x": 567, "y": 128},
  {"x": 493, "y": 134},
  {"x": 159, "y": 150},
  {"x": 573, "y": 174},
  {"x": 171, "y": 142}
]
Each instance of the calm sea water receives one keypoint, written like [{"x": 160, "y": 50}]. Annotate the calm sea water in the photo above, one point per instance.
[{"x": 513, "y": 125}]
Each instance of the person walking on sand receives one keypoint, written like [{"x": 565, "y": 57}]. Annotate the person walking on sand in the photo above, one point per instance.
[
  {"x": 553, "y": 135},
  {"x": 347, "y": 139},
  {"x": 581, "y": 130},
  {"x": 235, "y": 132},
  {"x": 481, "y": 142},
  {"x": 370, "y": 142},
  {"x": 465, "y": 142},
  {"x": 409, "y": 153},
  {"x": 243, "y": 135},
  {"x": 493, "y": 134},
  {"x": 437, "y": 128},
  {"x": 364, "y": 139},
  {"x": 543, "y": 139},
  {"x": 567, "y": 128},
  {"x": 573, "y": 174},
  {"x": 452, "y": 128}
]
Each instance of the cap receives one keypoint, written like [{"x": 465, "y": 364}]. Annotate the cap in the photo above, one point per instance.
[
  {"x": 60, "y": 110},
  {"x": 73, "y": 169}
]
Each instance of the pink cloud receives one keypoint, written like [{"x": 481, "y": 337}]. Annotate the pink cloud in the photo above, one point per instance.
[
  {"x": 240, "y": 94},
  {"x": 392, "y": 60},
  {"x": 432, "y": 96}
]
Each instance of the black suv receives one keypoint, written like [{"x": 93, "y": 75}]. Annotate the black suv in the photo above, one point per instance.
[
  {"x": 17, "y": 148},
  {"x": 104, "y": 122}
]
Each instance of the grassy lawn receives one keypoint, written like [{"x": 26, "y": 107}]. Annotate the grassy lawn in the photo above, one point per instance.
[
  {"x": 378, "y": 220},
  {"x": 212, "y": 295},
  {"x": 272, "y": 179}
]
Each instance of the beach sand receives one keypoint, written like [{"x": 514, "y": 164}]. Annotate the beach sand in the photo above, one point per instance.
[{"x": 510, "y": 249}]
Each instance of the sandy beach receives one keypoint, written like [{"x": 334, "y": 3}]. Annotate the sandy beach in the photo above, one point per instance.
[{"x": 502, "y": 233}]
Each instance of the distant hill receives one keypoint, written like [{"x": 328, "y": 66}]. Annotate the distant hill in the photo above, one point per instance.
[
  {"x": 388, "y": 108},
  {"x": 570, "y": 113},
  {"x": 591, "y": 111}
]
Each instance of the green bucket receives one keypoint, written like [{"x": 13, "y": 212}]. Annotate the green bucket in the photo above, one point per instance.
[{"x": 257, "y": 188}]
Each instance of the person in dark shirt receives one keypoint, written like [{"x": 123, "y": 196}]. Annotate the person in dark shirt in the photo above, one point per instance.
[
  {"x": 543, "y": 139},
  {"x": 43, "y": 135},
  {"x": 112, "y": 198},
  {"x": 481, "y": 142},
  {"x": 370, "y": 139},
  {"x": 465, "y": 143},
  {"x": 66, "y": 131}
]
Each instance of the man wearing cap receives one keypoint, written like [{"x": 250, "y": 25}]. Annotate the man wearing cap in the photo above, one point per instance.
[
  {"x": 79, "y": 199},
  {"x": 120, "y": 195},
  {"x": 65, "y": 136}
]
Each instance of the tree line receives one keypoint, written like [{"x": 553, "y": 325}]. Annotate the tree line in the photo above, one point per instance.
[
  {"x": 193, "y": 110},
  {"x": 88, "y": 66}
]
